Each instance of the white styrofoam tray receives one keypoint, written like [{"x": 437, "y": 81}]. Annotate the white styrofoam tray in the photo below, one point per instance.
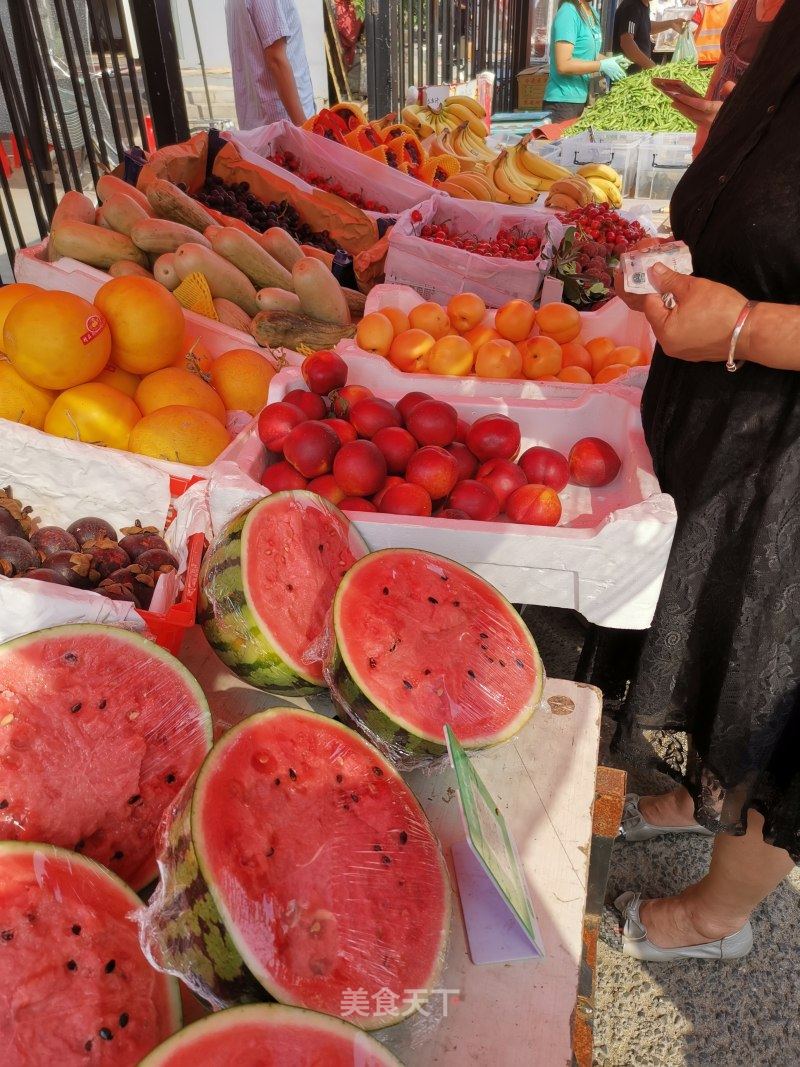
[{"x": 607, "y": 558}]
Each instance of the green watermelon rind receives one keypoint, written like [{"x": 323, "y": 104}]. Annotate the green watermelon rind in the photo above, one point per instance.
[
  {"x": 279, "y": 1014},
  {"x": 242, "y": 638},
  {"x": 143, "y": 645},
  {"x": 398, "y": 735},
  {"x": 202, "y": 941},
  {"x": 75, "y": 859}
]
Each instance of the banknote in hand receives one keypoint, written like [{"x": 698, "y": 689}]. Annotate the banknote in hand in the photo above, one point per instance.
[{"x": 635, "y": 265}]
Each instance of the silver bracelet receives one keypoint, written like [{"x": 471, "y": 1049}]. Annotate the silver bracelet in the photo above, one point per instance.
[{"x": 733, "y": 364}]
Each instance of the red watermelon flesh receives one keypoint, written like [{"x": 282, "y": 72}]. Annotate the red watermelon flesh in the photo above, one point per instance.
[
  {"x": 100, "y": 730},
  {"x": 322, "y": 864},
  {"x": 271, "y": 1036},
  {"x": 75, "y": 988},
  {"x": 429, "y": 642}
]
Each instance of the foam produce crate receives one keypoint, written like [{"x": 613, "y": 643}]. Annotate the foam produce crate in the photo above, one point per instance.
[{"x": 606, "y": 560}]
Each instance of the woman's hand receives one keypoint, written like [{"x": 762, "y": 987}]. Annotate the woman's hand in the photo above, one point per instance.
[
  {"x": 699, "y": 110},
  {"x": 700, "y": 326}
]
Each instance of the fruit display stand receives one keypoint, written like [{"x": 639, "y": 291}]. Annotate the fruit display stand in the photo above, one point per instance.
[
  {"x": 608, "y": 557},
  {"x": 544, "y": 783},
  {"x": 372, "y": 181},
  {"x": 439, "y": 271}
]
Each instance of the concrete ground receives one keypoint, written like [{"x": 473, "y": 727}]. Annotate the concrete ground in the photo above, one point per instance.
[{"x": 695, "y": 1013}]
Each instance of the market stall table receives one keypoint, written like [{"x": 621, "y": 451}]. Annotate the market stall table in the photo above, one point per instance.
[{"x": 521, "y": 1014}]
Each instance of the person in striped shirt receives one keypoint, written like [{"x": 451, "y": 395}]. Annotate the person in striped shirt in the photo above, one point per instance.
[{"x": 271, "y": 77}]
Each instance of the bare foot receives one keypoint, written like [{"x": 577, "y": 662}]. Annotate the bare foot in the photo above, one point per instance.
[
  {"x": 675, "y": 808},
  {"x": 675, "y": 922}
]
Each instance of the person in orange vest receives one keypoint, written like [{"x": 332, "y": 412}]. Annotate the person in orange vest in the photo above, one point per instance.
[{"x": 710, "y": 19}]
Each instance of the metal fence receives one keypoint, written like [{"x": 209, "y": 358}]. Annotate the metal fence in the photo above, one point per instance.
[{"x": 426, "y": 42}]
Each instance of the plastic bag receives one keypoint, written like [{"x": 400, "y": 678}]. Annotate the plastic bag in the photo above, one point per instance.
[
  {"x": 301, "y": 851},
  {"x": 685, "y": 50}
]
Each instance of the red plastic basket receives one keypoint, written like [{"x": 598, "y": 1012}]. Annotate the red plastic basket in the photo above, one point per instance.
[{"x": 169, "y": 628}]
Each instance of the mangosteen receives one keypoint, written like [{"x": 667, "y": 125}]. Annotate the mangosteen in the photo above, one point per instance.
[
  {"x": 42, "y": 574},
  {"x": 15, "y": 520},
  {"x": 140, "y": 539},
  {"x": 107, "y": 556},
  {"x": 48, "y": 540},
  {"x": 136, "y": 578},
  {"x": 16, "y": 556},
  {"x": 76, "y": 567},
  {"x": 91, "y": 529},
  {"x": 117, "y": 591},
  {"x": 158, "y": 560}
]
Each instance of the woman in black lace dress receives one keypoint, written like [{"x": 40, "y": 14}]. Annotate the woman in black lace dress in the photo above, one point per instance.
[{"x": 722, "y": 660}]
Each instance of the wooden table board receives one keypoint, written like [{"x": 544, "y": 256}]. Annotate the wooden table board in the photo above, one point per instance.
[{"x": 515, "y": 1014}]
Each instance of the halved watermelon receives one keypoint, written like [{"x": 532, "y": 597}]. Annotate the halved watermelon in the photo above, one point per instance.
[
  {"x": 422, "y": 641},
  {"x": 99, "y": 730},
  {"x": 267, "y": 585},
  {"x": 75, "y": 988},
  {"x": 301, "y": 865},
  {"x": 270, "y": 1035}
]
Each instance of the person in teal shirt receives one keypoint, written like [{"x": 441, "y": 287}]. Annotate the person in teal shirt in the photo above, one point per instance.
[{"x": 574, "y": 57}]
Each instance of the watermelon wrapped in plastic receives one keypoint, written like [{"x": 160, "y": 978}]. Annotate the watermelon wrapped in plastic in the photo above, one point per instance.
[
  {"x": 300, "y": 866},
  {"x": 267, "y": 585},
  {"x": 99, "y": 731},
  {"x": 417, "y": 642}
]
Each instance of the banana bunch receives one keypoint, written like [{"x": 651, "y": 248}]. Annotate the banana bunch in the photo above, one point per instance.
[
  {"x": 441, "y": 144},
  {"x": 470, "y": 185},
  {"x": 453, "y": 112},
  {"x": 570, "y": 193},
  {"x": 519, "y": 176},
  {"x": 605, "y": 182}
]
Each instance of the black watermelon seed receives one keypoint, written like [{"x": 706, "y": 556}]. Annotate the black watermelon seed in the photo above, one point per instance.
[
  {"x": 456, "y": 603},
  {"x": 70, "y": 657},
  {"x": 484, "y": 648},
  {"x": 519, "y": 663},
  {"x": 444, "y": 577},
  {"x": 118, "y": 855},
  {"x": 377, "y": 848},
  {"x": 88, "y": 1046},
  {"x": 293, "y": 774},
  {"x": 373, "y": 663},
  {"x": 484, "y": 636},
  {"x": 72, "y": 965},
  {"x": 407, "y": 684},
  {"x": 290, "y": 588},
  {"x": 427, "y": 671},
  {"x": 76, "y": 929},
  {"x": 403, "y": 837},
  {"x": 471, "y": 673},
  {"x": 400, "y": 882},
  {"x": 31, "y": 917},
  {"x": 385, "y": 591},
  {"x": 339, "y": 778},
  {"x": 170, "y": 779},
  {"x": 321, "y": 548},
  {"x": 75, "y": 708},
  {"x": 135, "y": 798},
  {"x": 79, "y": 845},
  {"x": 386, "y": 859},
  {"x": 502, "y": 664},
  {"x": 277, "y": 781},
  {"x": 110, "y": 966},
  {"x": 102, "y": 705},
  {"x": 354, "y": 797},
  {"x": 7, "y": 935},
  {"x": 432, "y": 600},
  {"x": 3, "y": 804},
  {"x": 271, "y": 853},
  {"x": 377, "y": 772},
  {"x": 106, "y": 1034},
  {"x": 345, "y": 807},
  {"x": 123, "y": 1019}
]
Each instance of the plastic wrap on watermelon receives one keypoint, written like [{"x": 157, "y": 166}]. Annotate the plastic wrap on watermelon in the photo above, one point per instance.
[
  {"x": 417, "y": 641},
  {"x": 99, "y": 731},
  {"x": 299, "y": 866},
  {"x": 267, "y": 584},
  {"x": 74, "y": 985}
]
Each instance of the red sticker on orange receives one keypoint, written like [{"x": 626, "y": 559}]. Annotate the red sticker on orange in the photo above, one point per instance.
[{"x": 95, "y": 325}]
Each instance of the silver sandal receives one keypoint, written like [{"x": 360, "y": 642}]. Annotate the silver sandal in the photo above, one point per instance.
[
  {"x": 634, "y": 826},
  {"x": 636, "y": 943}
]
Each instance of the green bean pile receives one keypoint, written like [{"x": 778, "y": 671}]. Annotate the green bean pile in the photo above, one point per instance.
[{"x": 635, "y": 104}]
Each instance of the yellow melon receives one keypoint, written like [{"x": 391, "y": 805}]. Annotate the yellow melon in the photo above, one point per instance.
[
  {"x": 56, "y": 340},
  {"x": 172, "y": 386},
  {"x": 94, "y": 413},
  {"x": 19, "y": 400},
  {"x": 241, "y": 377},
  {"x": 11, "y": 295},
  {"x": 146, "y": 321},
  {"x": 123, "y": 380},
  {"x": 180, "y": 434}
]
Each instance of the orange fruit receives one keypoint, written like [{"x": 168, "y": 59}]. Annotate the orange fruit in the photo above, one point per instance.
[
  {"x": 194, "y": 355},
  {"x": 465, "y": 311},
  {"x": 410, "y": 348},
  {"x": 172, "y": 387},
  {"x": 627, "y": 355},
  {"x": 499, "y": 359},
  {"x": 575, "y": 374},
  {"x": 119, "y": 379},
  {"x": 146, "y": 322},
  {"x": 398, "y": 319},
  {"x": 375, "y": 333},
  {"x": 479, "y": 335},
  {"x": 19, "y": 400},
  {"x": 56, "y": 340},
  {"x": 609, "y": 373},
  {"x": 94, "y": 413},
  {"x": 598, "y": 348},
  {"x": 450, "y": 355},
  {"x": 575, "y": 355},
  {"x": 10, "y": 295},
  {"x": 241, "y": 377},
  {"x": 180, "y": 434},
  {"x": 559, "y": 321},
  {"x": 541, "y": 357},
  {"x": 515, "y": 320},
  {"x": 430, "y": 317}
]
